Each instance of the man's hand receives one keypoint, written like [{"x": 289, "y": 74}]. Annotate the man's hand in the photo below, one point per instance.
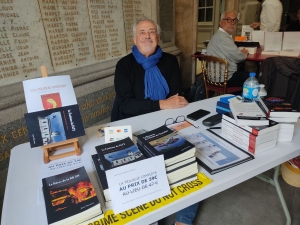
[
  {"x": 255, "y": 25},
  {"x": 173, "y": 102},
  {"x": 245, "y": 51}
]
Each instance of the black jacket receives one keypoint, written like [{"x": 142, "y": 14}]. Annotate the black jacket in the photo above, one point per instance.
[{"x": 281, "y": 77}]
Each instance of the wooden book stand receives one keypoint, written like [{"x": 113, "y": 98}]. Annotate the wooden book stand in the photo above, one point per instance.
[{"x": 60, "y": 145}]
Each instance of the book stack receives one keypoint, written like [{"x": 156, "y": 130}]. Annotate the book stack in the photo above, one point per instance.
[
  {"x": 70, "y": 198},
  {"x": 279, "y": 110},
  {"x": 223, "y": 104},
  {"x": 254, "y": 139},
  {"x": 286, "y": 131},
  {"x": 112, "y": 155},
  {"x": 179, "y": 154}
]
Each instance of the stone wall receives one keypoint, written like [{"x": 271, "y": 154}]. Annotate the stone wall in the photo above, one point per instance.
[{"x": 83, "y": 39}]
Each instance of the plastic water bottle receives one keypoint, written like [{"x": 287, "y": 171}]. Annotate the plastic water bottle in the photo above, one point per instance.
[{"x": 250, "y": 88}]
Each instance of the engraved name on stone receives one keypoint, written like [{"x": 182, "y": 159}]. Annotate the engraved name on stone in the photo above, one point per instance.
[
  {"x": 134, "y": 10},
  {"x": 68, "y": 33},
  {"x": 23, "y": 47},
  {"x": 107, "y": 28}
]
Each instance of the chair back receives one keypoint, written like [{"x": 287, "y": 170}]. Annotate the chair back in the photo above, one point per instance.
[{"x": 215, "y": 74}]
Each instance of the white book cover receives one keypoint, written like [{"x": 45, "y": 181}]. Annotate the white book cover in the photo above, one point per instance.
[
  {"x": 259, "y": 36},
  {"x": 291, "y": 41},
  {"x": 247, "y": 31},
  {"x": 48, "y": 93},
  {"x": 273, "y": 41}
]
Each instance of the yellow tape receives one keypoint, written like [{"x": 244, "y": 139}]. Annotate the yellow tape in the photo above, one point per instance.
[{"x": 176, "y": 193}]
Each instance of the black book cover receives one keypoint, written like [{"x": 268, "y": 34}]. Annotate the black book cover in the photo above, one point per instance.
[
  {"x": 69, "y": 195},
  {"x": 100, "y": 171},
  {"x": 164, "y": 141},
  {"x": 118, "y": 153},
  {"x": 275, "y": 106},
  {"x": 54, "y": 125}
]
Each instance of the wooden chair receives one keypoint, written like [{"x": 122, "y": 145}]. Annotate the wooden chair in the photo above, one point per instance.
[{"x": 213, "y": 70}]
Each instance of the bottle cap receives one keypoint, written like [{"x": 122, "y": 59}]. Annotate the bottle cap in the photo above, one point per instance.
[{"x": 252, "y": 74}]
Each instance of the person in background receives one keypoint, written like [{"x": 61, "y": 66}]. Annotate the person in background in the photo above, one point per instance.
[
  {"x": 148, "y": 80},
  {"x": 270, "y": 16},
  {"x": 222, "y": 46},
  {"x": 294, "y": 26}
]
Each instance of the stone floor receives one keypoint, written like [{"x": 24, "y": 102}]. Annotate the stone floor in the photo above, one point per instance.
[{"x": 253, "y": 202}]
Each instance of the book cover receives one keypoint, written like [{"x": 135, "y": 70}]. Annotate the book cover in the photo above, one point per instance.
[
  {"x": 118, "y": 153},
  {"x": 48, "y": 93},
  {"x": 277, "y": 107},
  {"x": 256, "y": 130},
  {"x": 54, "y": 125},
  {"x": 248, "y": 113},
  {"x": 70, "y": 197},
  {"x": 164, "y": 141}
]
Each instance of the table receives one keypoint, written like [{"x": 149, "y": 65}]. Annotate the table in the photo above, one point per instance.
[{"x": 20, "y": 206}]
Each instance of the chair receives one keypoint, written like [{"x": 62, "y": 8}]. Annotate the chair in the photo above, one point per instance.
[{"x": 214, "y": 69}]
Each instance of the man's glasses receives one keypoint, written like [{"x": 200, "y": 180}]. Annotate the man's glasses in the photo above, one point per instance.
[
  {"x": 231, "y": 20},
  {"x": 179, "y": 119}
]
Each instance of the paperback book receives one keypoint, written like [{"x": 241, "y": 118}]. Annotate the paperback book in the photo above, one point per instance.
[
  {"x": 70, "y": 198},
  {"x": 215, "y": 154},
  {"x": 54, "y": 125},
  {"x": 256, "y": 130},
  {"x": 164, "y": 141},
  {"x": 248, "y": 113},
  {"x": 118, "y": 153},
  {"x": 100, "y": 174},
  {"x": 277, "y": 107}
]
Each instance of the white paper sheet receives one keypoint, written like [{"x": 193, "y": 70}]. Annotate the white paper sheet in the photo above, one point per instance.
[
  {"x": 273, "y": 41},
  {"x": 136, "y": 183},
  {"x": 291, "y": 41}
]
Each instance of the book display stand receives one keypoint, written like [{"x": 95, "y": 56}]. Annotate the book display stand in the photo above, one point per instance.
[{"x": 60, "y": 145}]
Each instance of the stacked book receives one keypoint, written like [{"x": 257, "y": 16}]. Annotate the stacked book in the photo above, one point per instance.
[
  {"x": 283, "y": 112},
  {"x": 112, "y": 155},
  {"x": 279, "y": 110},
  {"x": 179, "y": 154},
  {"x": 254, "y": 139},
  {"x": 223, "y": 104},
  {"x": 286, "y": 131},
  {"x": 70, "y": 198}
]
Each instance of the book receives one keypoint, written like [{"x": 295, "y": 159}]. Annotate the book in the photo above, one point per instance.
[
  {"x": 289, "y": 53},
  {"x": 251, "y": 50},
  {"x": 265, "y": 52},
  {"x": 164, "y": 141},
  {"x": 70, "y": 198},
  {"x": 48, "y": 92},
  {"x": 284, "y": 119},
  {"x": 277, "y": 107},
  {"x": 254, "y": 149},
  {"x": 100, "y": 174},
  {"x": 215, "y": 153},
  {"x": 256, "y": 130},
  {"x": 248, "y": 113},
  {"x": 247, "y": 141},
  {"x": 247, "y": 136},
  {"x": 222, "y": 107},
  {"x": 227, "y": 98},
  {"x": 119, "y": 153},
  {"x": 54, "y": 125}
]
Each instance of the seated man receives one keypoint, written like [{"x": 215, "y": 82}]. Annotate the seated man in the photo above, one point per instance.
[
  {"x": 222, "y": 46},
  {"x": 148, "y": 80},
  {"x": 294, "y": 26}
]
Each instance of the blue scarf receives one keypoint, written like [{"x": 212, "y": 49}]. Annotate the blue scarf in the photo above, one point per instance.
[{"x": 156, "y": 87}]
